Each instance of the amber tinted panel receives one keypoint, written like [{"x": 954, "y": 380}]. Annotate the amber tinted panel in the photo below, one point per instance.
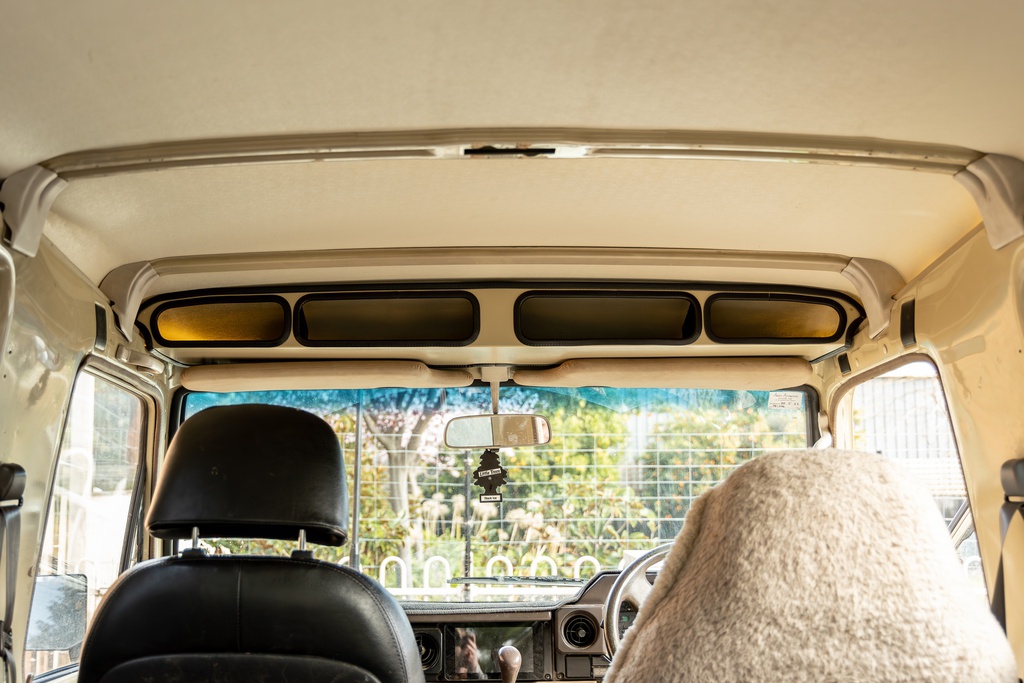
[
  {"x": 607, "y": 319},
  {"x": 222, "y": 322},
  {"x": 388, "y": 320},
  {"x": 730, "y": 319}
]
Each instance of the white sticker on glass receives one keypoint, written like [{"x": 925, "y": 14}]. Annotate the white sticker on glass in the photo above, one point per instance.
[{"x": 785, "y": 400}]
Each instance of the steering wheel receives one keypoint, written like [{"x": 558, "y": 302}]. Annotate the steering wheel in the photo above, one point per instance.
[{"x": 632, "y": 588}]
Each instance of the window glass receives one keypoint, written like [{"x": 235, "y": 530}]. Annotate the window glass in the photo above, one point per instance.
[
  {"x": 617, "y": 479},
  {"x": 87, "y": 519},
  {"x": 970, "y": 556},
  {"x": 903, "y": 415}
]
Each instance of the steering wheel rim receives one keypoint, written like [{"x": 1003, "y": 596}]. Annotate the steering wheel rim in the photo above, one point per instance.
[{"x": 630, "y": 587}]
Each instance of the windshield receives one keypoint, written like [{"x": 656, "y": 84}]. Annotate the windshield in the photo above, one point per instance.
[{"x": 616, "y": 480}]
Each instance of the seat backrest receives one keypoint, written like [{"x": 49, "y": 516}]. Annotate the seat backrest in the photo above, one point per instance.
[
  {"x": 250, "y": 471},
  {"x": 814, "y": 566}
]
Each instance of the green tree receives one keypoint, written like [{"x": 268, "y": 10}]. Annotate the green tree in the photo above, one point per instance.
[{"x": 618, "y": 476}]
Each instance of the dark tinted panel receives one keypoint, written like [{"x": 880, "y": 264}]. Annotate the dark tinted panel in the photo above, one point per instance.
[
  {"x": 607, "y": 318},
  {"x": 381, "y": 320},
  {"x": 769, "y": 318},
  {"x": 226, "y": 322}
]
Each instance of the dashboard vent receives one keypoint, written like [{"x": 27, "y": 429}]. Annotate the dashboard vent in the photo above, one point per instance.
[
  {"x": 580, "y": 630},
  {"x": 430, "y": 650}
]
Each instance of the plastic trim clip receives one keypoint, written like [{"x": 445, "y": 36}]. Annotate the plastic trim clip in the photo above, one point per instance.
[
  {"x": 996, "y": 182},
  {"x": 27, "y": 197}
]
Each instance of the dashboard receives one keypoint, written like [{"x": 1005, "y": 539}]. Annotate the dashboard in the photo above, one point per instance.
[{"x": 560, "y": 643}]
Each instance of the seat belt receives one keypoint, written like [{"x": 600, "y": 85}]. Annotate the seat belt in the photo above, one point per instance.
[
  {"x": 1012, "y": 477},
  {"x": 12, "y": 491}
]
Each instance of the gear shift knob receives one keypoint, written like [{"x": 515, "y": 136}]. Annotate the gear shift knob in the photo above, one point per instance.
[{"x": 509, "y": 660}]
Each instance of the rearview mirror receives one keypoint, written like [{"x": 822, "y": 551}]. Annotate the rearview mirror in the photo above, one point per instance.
[{"x": 497, "y": 431}]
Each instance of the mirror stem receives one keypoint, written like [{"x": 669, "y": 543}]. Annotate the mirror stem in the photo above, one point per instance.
[{"x": 494, "y": 375}]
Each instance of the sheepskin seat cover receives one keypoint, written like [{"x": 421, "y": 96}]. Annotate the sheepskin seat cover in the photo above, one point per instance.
[{"x": 814, "y": 566}]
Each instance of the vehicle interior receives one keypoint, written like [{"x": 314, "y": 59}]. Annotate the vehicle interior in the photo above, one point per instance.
[{"x": 512, "y": 341}]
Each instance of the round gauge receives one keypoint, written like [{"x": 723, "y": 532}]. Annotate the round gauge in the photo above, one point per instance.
[{"x": 627, "y": 615}]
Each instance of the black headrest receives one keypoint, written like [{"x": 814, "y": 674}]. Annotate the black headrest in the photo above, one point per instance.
[
  {"x": 12, "y": 482},
  {"x": 252, "y": 471},
  {"x": 1012, "y": 477}
]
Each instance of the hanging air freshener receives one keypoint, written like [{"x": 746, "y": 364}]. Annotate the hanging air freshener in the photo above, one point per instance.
[{"x": 490, "y": 476}]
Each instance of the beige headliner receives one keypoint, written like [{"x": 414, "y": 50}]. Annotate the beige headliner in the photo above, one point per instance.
[
  {"x": 108, "y": 74},
  {"x": 117, "y": 72},
  {"x": 905, "y": 218}
]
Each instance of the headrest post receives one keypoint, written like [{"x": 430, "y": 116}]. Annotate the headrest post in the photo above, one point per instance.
[
  {"x": 195, "y": 537},
  {"x": 302, "y": 539}
]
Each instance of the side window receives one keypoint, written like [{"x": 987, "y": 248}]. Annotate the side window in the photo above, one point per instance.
[
  {"x": 903, "y": 415},
  {"x": 88, "y": 516}
]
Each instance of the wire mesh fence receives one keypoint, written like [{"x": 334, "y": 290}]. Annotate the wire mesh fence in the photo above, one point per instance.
[{"x": 600, "y": 497}]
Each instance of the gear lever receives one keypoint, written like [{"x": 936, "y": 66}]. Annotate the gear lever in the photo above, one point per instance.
[{"x": 509, "y": 661}]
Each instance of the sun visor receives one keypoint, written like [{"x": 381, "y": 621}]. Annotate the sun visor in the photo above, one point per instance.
[
  {"x": 321, "y": 375},
  {"x": 666, "y": 373}
]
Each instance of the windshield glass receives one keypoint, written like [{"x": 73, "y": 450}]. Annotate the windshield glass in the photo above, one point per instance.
[{"x": 616, "y": 480}]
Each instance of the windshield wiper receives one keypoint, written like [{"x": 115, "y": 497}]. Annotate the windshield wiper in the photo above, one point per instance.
[{"x": 516, "y": 581}]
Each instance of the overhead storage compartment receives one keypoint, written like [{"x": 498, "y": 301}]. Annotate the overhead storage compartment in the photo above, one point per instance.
[
  {"x": 773, "y": 319},
  {"x": 546, "y": 318},
  {"x": 222, "y": 321},
  {"x": 387, "y": 319}
]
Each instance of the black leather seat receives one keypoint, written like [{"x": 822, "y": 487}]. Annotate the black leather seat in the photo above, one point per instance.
[{"x": 250, "y": 471}]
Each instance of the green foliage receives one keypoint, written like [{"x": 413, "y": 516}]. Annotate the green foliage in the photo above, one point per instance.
[{"x": 616, "y": 478}]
